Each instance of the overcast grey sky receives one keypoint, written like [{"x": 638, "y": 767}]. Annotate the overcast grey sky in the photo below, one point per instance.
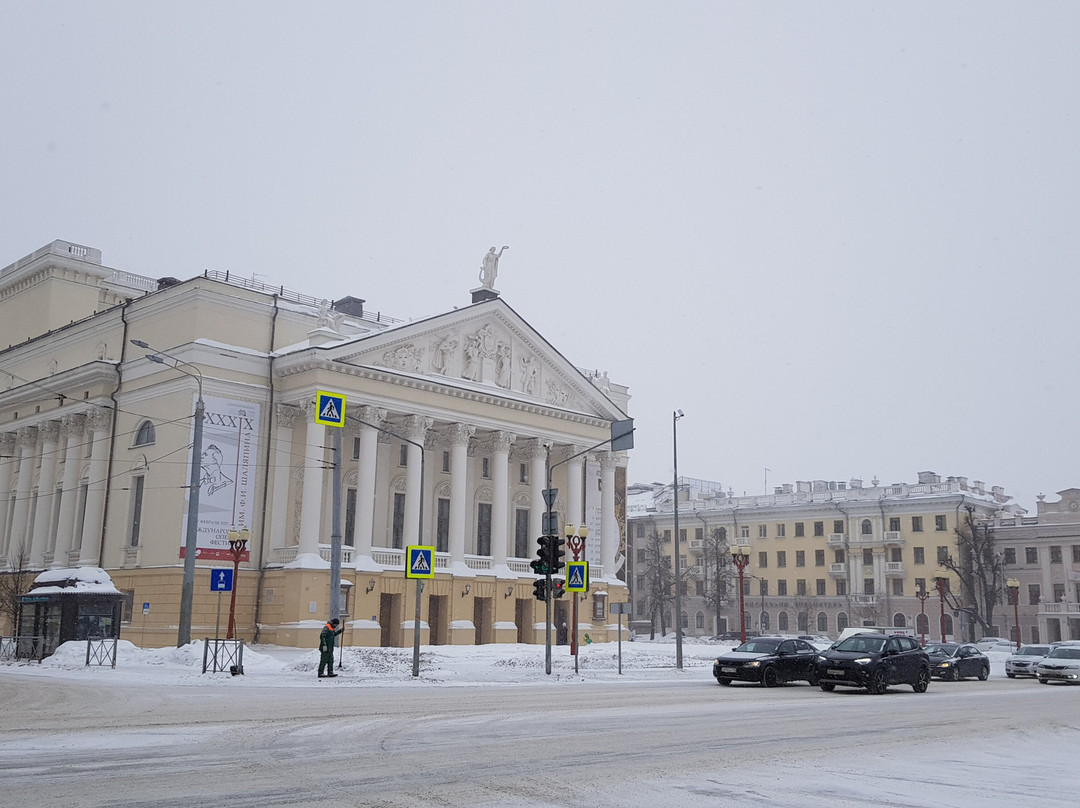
[{"x": 841, "y": 236}]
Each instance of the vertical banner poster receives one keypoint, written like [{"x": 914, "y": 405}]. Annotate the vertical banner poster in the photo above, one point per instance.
[{"x": 230, "y": 447}]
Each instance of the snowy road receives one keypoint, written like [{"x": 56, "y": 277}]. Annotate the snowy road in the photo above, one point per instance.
[{"x": 680, "y": 742}]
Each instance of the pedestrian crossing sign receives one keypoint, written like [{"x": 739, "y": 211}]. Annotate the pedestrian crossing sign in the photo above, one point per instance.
[
  {"x": 329, "y": 408},
  {"x": 577, "y": 576},
  {"x": 420, "y": 561}
]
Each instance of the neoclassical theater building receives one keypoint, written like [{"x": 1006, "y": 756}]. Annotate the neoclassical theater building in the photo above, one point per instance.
[{"x": 454, "y": 424}]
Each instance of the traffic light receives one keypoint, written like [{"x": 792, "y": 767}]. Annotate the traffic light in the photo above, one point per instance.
[
  {"x": 558, "y": 588},
  {"x": 538, "y": 566},
  {"x": 540, "y": 589},
  {"x": 551, "y": 552}
]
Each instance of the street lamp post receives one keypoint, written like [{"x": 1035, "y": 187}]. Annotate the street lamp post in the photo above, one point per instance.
[
  {"x": 941, "y": 582},
  {"x": 740, "y": 557},
  {"x": 922, "y": 595},
  {"x": 1014, "y": 596},
  {"x": 187, "y": 591},
  {"x": 238, "y": 540},
  {"x": 675, "y": 416}
]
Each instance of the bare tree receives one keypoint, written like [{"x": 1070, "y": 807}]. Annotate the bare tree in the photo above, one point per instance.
[
  {"x": 719, "y": 571},
  {"x": 659, "y": 580},
  {"x": 13, "y": 583},
  {"x": 981, "y": 570}
]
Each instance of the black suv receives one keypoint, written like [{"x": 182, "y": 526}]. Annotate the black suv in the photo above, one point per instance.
[{"x": 874, "y": 661}]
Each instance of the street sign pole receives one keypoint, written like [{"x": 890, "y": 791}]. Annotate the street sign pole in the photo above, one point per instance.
[{"x": 217, "y": 625}]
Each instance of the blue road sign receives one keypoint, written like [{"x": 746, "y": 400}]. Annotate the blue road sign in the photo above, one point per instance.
[
  {"x": 221, "y": 580},
  {"x": 577, "y": 576},
  {"x": 329, "y": 408},
  {"x": 421, "y": 561}
]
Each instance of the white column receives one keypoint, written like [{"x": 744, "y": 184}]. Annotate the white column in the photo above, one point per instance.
[
  {"x": 536, "y": 453},
  {"x": 416, "y": 427},
  {"x": 7, "y": 469},
  {"x": 50, "y": 435},
  {"x": 500, "y": 507},
  {"x": 71, "y": 430},
  {"x": 365, "y": 484},
  {"x": 285, "y": 416},
  {"x": 575, "y": 512},
  {"x": 311, "y": 503},
  {"x": 97, "y": 421},
  {"x": 459, "y": 435},
  {"x": 609, "y": 525},
  {"x": 27, "y": 441}
]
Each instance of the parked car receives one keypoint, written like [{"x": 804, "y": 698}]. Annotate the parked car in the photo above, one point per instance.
[
  {"x": 1003, "y": 648},
  {"x": 986, "y": 643},
  {"x": 772, "y": 661},
  {"x": 874, "y": 661},
  {"x": 1023, "y": 662},
  {"x": 1062, "y": 664},
  {"x": 956, "y": 661}
]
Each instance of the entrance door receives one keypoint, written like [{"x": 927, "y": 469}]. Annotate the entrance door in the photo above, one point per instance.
[
  {"x": 437, "y": 620},
  {"x": 483, "y": 620},
  {"x": 390, "y": 620},
  {"x": 523, "y": 612}
]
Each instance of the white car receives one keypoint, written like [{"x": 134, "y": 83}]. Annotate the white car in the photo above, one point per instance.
[
  {"x": 986, "y": 643},
  {"x": 1023, "y": 662},
  {"x": 1062, "y": 664}
]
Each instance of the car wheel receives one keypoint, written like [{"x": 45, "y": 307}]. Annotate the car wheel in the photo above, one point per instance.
[
  {"x": 770, "y": 678},
  {"x": 984, "y": 673},
  {"x": 828, "y": 687},
  {"x": 1044, "y": 681},
  {"x": 955, "y": 675},
  {"x": 922, "y": 681},
  {"x": 813, "y": 678},
  {"x": 878, "y": 683},
  {"x": 724, "y": 681},
  {"x": 1011, "y": 675}
]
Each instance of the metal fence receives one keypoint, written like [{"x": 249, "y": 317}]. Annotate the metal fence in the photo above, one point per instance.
[
  {"x": 28, "y": 647},
  {"x": 223, "y": 655},
  {"x": 101, "y": 651}
]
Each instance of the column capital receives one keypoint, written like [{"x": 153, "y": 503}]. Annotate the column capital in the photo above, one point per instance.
[
  {"x": 373, "y": 415},
  {"x": 49, "y": 431},
  {"x": 608, "y": 461},
  {"x": 286, "y": 415},
  {"x": 98, "y": 419},
  {"x": 459, "y": 434},
  {"x": 416, "y": 427},
  {"x": 533, "y": 448},
  {"x": 567, "y": 451},
  {"x": 498, "y": 441},
  {"x": 27, "y": 437},
  {"x": 7, "y": 443},
  {"x": 73, "y": 423}
]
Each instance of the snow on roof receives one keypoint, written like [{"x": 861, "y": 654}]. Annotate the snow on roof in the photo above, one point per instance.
[{"x": 74, "y": 580}]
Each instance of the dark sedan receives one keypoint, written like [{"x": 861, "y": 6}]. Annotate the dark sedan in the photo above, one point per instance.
[
  {"x": 768, "y": 660},
  {"x": 956, "y": 661}
]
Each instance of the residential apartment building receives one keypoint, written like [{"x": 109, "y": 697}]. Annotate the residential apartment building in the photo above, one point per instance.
[
  {"x": 1041, "y": 553},
  {"x": 455, "y": 426},
  {"x": 823, "y": 555}
]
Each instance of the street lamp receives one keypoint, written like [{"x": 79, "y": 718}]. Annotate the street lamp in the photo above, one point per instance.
[
  {"x": 740, "y": 557},
  {"x": 187, "y": 592},
  {"x": 675, "y": 416},
  {"x": 238, "y": 540},
  {"x": 1014, "y": 596},
  {"x": 942, "y": 583},
  {"x": 922, "y": 595}
]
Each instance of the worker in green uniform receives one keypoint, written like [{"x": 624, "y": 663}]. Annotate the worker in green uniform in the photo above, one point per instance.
[{"x": 326, "y": 648}]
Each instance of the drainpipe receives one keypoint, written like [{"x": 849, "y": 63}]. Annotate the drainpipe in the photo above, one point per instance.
[
  {"x": 266, "y": 470},
  {"x": 112, "y": 436}
]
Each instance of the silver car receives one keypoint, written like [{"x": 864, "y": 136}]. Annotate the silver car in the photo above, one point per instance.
[
  {"x": 1062, "y": 664},
  {"x": 1023, "y": 662}
]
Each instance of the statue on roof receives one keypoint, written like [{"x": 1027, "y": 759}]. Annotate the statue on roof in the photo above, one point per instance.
[{"x": 489, "y": 269}]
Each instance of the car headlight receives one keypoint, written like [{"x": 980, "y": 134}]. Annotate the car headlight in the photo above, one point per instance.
[
  {"x": 754, "y": 664},
  {"x": 863, "y": 660},
  {"x": 944, "y": 664},
  {"x": 822, "y": 659}
]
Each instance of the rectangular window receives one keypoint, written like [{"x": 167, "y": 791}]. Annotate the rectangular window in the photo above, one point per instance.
[
  {"x": 841, "y": 587},
  {"x": 918, "y": 555},
  {"x": 800, "y": 558},
  {"x": 1075, "y": 552},
  {"x": 838, "y": 526},
  {"x": 442, "y": 526},
  {"x": 781, "y": 558},
  {"x": 762, "y": 560},
  {"x": 699, "y": 589},
  {"x": 137, "y": 487},
  {"x": 521, "y": 533},
  {"x": 942, "y": 554},
  {"x": 868, "y": 586},
  {"x": 896, "y": 555},
  {"x": 1055, "y": 554},
  {"x": 699, "y": 533},
  {"x": 1059, "y": 593},
  {"x": 868, "y": 558},
  {"x": 763, "y": 588},
  {"x": 763, "y": 531},
  {"x": 746, "y": 586},
  {"x": 356, "y": 448},
  {"x": 1009, "y": 555},
  {"x": 641, "y": 530},
  {"x": 744, "y": 531},
  {"x": 819, "y": 558},
  {"x": 667, "y": 535},
  {"x": 939, "y": 523},
  {"x": 781, "y": 588},
  {"x": 1034, "y": 594},
  {"x": 403, "y": 455},
  {"x": 894, "y": 524},
  {"x": 819, "y": 528},
  {"x": 641, "y": 555},
  {"x": 838, "y": 556},
  {"x": 819, "y": 586},
  {"x": 485, "y": 467},
  {"x": 350, "y": 515},
  {"x": 898, "y": 586},
  {"x": 446, "y": 462},
  {"x": 523, "y": 474},
  {"x": 800, "y": 587},
  {"x": 916, "y": 524},
  {"x": 398, "y": 528},
  {"x": 920, "y": 584},
  {"x": 682, "y": 535},
  {"x": 127, "y": 605},
  {"x": 800, "y": 530},
  {"x": 780, "y": 528},
  {"x": 483, "y": 529},
  {"x": 1031, "y": 555}
]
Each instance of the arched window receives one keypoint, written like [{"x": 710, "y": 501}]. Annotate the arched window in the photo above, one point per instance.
[
  {"x": 923, "y": 622},
  {"x": 841, "y": 621},
  {"x": 145, "y": 434},
  {"x": 899, "y": 621},
  {"x": 867, "y": 527},
  {"x": 822, "y": 622},
  {"x": 764, "y": 622},
  {"x": 699, "y": 620},
  {"x": 948, "y": 625},
  {"x": 781, "y": 622}
]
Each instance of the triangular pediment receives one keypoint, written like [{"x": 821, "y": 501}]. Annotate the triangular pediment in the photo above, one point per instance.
[{"x": 486, "y": 347}]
